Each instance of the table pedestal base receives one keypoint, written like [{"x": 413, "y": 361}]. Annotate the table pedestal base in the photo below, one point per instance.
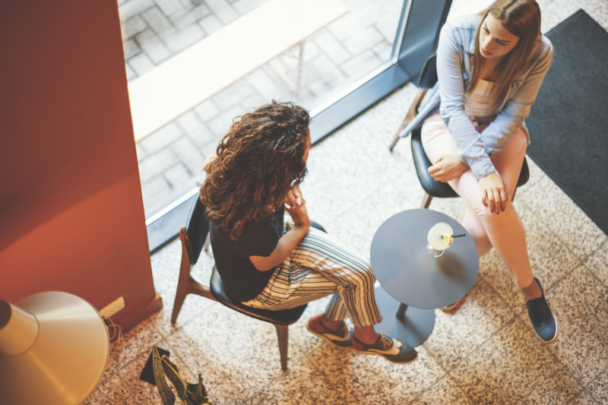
[{"x": 413, "y": 328}]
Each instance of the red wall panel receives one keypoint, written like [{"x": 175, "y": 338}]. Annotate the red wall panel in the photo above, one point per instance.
[{"x": 71, "y": 209}]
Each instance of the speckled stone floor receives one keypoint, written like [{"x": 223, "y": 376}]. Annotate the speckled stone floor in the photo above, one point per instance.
[{"x": 484, "y": 354}]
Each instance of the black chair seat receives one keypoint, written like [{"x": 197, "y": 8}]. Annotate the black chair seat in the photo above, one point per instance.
[
  {"x": 436, "y": 188},
  {"x": 284, "y": 317}
]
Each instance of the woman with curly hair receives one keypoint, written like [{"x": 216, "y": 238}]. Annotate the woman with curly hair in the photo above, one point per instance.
[{"x": 253, "y": 179}]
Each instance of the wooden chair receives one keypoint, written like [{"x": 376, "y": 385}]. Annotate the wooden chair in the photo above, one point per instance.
[
  {"x": 432, "y": 188},
  {"x": 193, "y": 236}
]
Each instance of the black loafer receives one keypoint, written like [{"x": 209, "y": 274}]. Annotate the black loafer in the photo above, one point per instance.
[
  {"x": 543, "y": 320},
  {"x": 390, "y": 348}
]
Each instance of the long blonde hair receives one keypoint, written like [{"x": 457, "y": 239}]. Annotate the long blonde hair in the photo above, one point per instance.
[{"x": 522, "y": 19}]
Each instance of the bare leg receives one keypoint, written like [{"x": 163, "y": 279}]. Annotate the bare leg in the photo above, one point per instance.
[
  {"x": 532, "y": 291},
  {"x": 366, "y": 334},
  {"x": 333, "y": 325}
]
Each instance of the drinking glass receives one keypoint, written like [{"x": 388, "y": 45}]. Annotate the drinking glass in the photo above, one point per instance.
[{"x": 439, "y": 238}]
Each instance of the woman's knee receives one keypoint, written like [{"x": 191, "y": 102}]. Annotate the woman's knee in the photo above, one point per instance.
[
  {"x": 363, "y": 277},
  {"x": 489, "y": 218},
  {"x": 476, "y": 207}
]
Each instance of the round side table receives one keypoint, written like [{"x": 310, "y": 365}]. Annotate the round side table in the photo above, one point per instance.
[{"x": 413, "y": 283}]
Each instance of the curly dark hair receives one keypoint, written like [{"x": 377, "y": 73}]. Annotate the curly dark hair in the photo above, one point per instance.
[{"x": 258, "y": 162}]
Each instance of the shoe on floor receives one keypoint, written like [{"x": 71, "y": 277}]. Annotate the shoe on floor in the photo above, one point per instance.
[
  {"x": 451, "y": 309},
  {"x": 543, "y": 320},
  {"x": 340, "y": 337},
  {"x": 387, "y": 347}
]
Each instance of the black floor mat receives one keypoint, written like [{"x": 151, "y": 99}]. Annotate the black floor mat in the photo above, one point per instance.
[{"x": 569, "y": 121}]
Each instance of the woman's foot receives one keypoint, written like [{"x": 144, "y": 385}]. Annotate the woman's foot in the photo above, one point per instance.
[
  {"x": 543, "y": 320},
  {"x": 387, "y": 347},
  {"x": 339, "y": 336},
  {"x": 451, "y": 309}
]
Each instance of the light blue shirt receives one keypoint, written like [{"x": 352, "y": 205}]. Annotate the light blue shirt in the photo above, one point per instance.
[{"x": 455, "y": 52}]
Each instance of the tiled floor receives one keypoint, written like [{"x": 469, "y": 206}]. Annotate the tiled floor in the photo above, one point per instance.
[{"x": 484, "y": 354}]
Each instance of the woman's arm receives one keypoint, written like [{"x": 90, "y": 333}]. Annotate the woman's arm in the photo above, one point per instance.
[
  {"x": 511, "y": 118},
  {"x": 447, "y": 168},
  {"x": 471, "y": 149},
  {"x": 289, "y": 241},
  {"x": 287, "y": 244}
]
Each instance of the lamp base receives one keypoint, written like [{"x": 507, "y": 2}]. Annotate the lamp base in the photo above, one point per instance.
[{"x": 412, "y": 327}]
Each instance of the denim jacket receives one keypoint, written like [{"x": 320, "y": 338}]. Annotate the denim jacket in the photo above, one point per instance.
[{"x": 455, "y": 52}]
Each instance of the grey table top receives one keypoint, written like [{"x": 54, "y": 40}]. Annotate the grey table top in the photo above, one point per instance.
[{"x": 409, "y": 274}]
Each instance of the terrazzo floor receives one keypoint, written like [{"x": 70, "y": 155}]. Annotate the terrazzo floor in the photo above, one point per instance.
[{"x": 486, "y": 353}]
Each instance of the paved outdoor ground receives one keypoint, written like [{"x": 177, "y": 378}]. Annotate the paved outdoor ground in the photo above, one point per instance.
[{"x": 170, "y": 160}]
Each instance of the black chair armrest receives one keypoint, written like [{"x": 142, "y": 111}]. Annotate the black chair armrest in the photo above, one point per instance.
[
  {"x": 524, "y": 175},
  {"x": 317, "y": 226},
  {"x": 422, "y": 164},
  {"x": 428, "y": 74}
]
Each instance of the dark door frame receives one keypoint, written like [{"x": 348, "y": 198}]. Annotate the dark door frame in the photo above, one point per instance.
[{"x": 416, "y": 40}]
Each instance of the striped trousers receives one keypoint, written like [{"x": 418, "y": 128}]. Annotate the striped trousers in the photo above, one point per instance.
[{"x": 316, "y": 268}]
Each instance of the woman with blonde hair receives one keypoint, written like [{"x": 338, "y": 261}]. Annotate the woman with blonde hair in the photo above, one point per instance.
[{"x": 490, "y": 67}]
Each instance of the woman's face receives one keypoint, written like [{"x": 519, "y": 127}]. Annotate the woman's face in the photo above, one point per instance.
[{"x": 495, "y": 41}]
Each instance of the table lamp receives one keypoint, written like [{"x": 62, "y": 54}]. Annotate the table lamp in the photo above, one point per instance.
[{"x": 53, "y": 350}]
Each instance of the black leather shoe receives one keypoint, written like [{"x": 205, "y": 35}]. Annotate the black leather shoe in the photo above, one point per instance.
[
  {"x": 390, "y": 348},
  {"x": 543, "y": 320}
]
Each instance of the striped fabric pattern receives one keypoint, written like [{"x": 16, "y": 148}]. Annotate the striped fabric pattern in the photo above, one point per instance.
[{"x": 316, "y": 268}]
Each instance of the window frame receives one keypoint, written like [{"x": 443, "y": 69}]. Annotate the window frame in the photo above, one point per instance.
[{"x": 416, "y": 39}]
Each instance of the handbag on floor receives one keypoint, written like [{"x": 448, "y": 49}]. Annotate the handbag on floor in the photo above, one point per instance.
[{"x": 189, "y": 394}]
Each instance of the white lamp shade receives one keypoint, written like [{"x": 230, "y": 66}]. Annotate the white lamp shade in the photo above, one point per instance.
[{"x": 53, "y": 350}]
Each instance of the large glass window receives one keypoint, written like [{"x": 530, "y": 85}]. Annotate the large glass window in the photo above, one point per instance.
[{"x": 334, "y": 57}]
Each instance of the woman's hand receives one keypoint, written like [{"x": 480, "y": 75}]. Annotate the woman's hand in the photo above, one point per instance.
[
  {"x": 295, "y": 205},
  {"x": 447, "y": 168},
  {"x": 294, "y": 198},
  {"x": 494, "y": 193}
]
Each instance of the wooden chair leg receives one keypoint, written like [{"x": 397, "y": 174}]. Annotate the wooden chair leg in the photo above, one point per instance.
[
  {"x": 183, "y": 285},
  {"x": 409, "y": 116},
  {"x": 186, "y": 284},
  {"x": 283, "y": 337},
  {"x": 426, "y": 201},
  {"x": 395, "y": 140}
]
